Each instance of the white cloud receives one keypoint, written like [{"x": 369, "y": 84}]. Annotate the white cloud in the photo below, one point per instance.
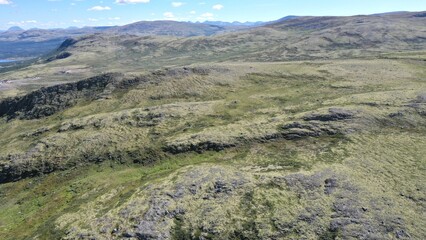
[
  {"x": 131, "y": 1},
  {"x": 5, "y": 2},
  {"x": 93, "y": 19},
  {"x": 177, "y": 4},
  {"x": 192, "y": 12},
  {"x": 31, "y": 21},
  {"x": 99, "y": 8},
  {"x": 168, "y": 15},
  {"x": 218, "y": 7}
]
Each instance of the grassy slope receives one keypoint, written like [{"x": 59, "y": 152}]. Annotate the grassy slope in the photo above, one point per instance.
[
  {"x": 297, "y": 39},
  {"x": 384, "y": 161},
  {"x": 365, "y": 181}
]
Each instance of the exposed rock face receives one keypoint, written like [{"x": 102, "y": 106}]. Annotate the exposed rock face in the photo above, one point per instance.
[
  {"x": 351, "y": 217},
  {"x": 24, "y": 169},
  {"x": 45, "y": 154},
  {"x": 31, "y": 164},
  {"x": 335, "y": 114},
  {"x": 61, "y": 55},
  {"x": 299, "y": 130},
  {"x": 164, "y": 210},
  {"x": 337, "y": 121},
  {"x": 419, "y": 104},
  {"x": 330, "y": 185},
  {"x": 198, "y": 147},
  {"x": 67, "y": 43},
  {"x": 421, "y": 98},
  {"x": 48, "y": 101},
  {"x": 211, "y": 202},
  {"x": 420, "y": 15}
]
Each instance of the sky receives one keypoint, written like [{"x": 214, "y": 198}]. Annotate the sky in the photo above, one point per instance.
[{"x": 65, "y": 13}]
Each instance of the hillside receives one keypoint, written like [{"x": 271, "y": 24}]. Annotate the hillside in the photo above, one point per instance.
[
  {"x": 302, "y": 38},
  {"x": 305, "y": 128},
  {"x": 20, "y": 43}
]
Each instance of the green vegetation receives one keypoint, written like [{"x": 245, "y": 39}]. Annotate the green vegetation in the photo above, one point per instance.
[{"x": 219, "y": 149}]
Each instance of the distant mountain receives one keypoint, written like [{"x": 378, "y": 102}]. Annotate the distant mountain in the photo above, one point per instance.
[
  {"x": 168, "y": 28},
  {"x": 164, "y": 28},
  {"x": 36, "y": 42},
  {"x": 227, "y": 24},
  {"x": 290, "y": 38},
  {"x": 38, "y": 35},
  {"x": 287, "y": 38},
  {"x": 19, "y": 43},
  {"x": 15, "y": 29},
  {"x": 287, "y": 18},
  {"x": 100, "y": 28},
  {"x": 247, "y": 24},
  {"x": 390, "y": 13}
]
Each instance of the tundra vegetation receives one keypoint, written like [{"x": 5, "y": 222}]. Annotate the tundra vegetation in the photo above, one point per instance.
[{"x": 308, "y": 128}]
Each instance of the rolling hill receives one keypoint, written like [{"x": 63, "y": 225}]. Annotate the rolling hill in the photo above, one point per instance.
[
  {"x": 20, "y": 43},
  {"x": 302, "y": 38},
  {"x": 304, "y": 128}
]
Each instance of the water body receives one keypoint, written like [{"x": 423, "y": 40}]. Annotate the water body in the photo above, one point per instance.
[{"x": 6, "y": 61}]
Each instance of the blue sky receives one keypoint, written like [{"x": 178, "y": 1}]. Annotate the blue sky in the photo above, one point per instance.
[{"x": 65, "y": 13}]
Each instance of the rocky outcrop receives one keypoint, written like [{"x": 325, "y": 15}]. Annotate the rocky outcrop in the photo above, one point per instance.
[
  {"x": 67, "y": 43},
  {"x": 36, "y": 162},
  {"x": 351, "y": 217},
  {"x": 334, "y": 114},
  {"x": 59, "y": 56},
  {"x": 299, "y": 130},
  {"x": 198, "y": 147},
  {"x": 315, "y": 125},
  {"x": 420, "y": 15},
  {"x": 166, "y": 208},
  {"x": 217, "y": 202},
  {"x": 48, "y": 101}
]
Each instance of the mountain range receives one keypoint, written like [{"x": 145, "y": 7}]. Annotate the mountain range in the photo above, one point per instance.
[{"x": 19, "y": 43}]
